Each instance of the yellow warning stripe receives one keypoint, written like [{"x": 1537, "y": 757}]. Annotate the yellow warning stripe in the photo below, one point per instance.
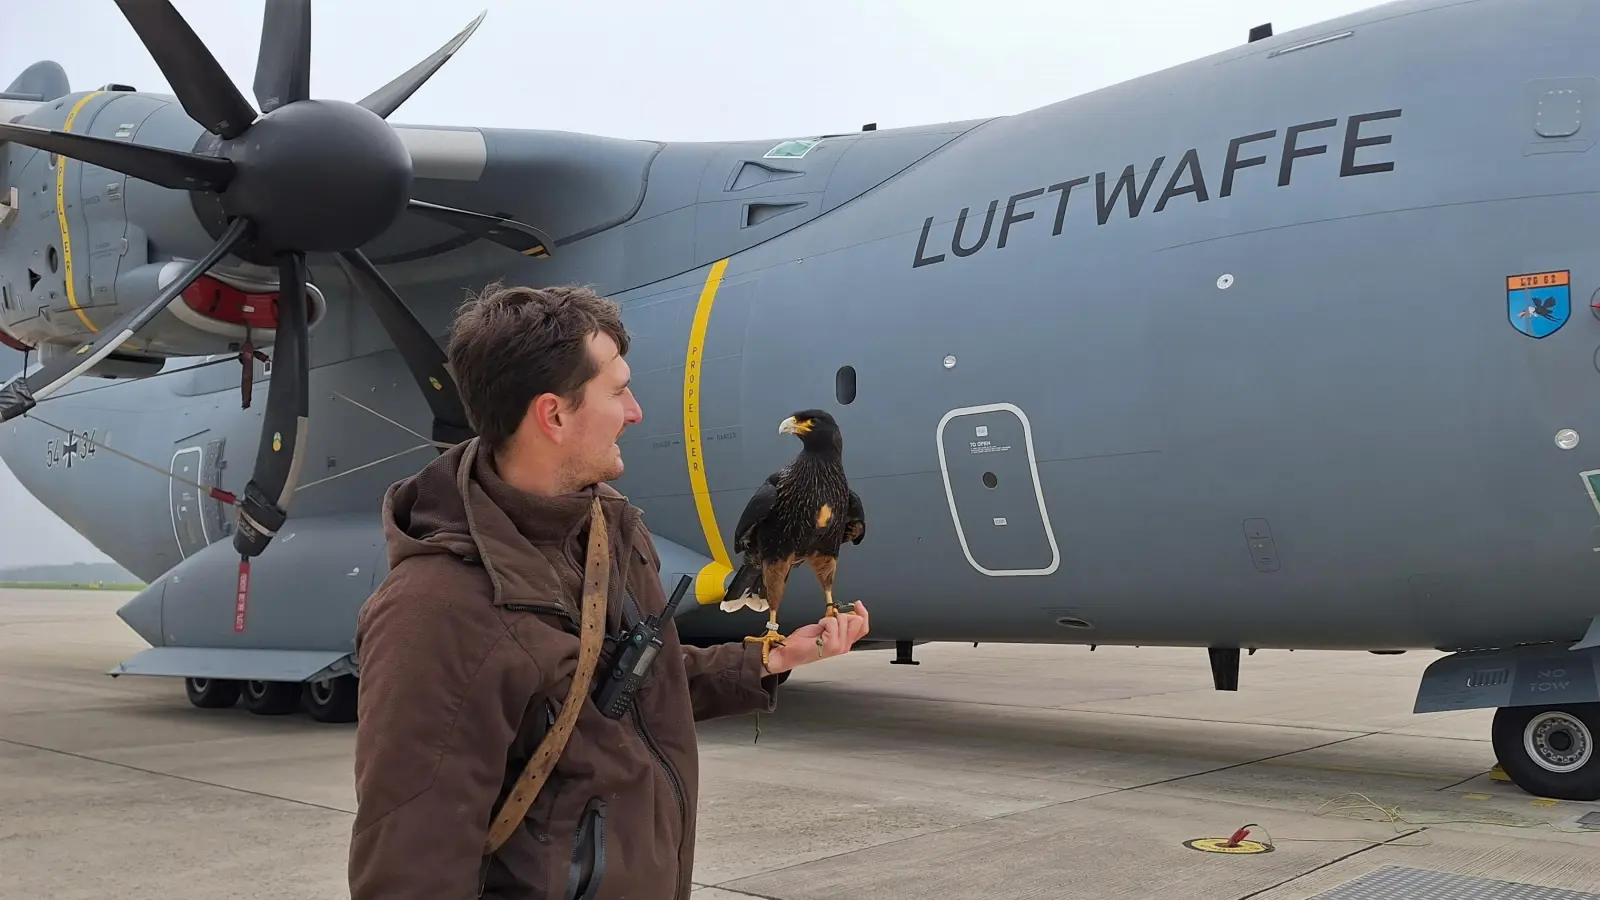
[
  {"x": 61, "y": 214},
  {"x": 708, "y": 586}
]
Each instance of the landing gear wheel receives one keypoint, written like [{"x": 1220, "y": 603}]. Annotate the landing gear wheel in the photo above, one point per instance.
[
  {"x": 272, "y": 698},
  {"x": 332, "y": 699},
  {"x": 210, "y": 693},
  {"x": 1550, "y": 751}
]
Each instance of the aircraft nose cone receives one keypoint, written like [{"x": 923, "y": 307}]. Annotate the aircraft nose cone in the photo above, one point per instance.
[{"x": 143, "y": 613}]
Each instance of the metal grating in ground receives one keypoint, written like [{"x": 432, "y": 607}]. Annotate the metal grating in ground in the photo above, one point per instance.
[
  {"x": 1590, "y": 820},
  {"x": 1392, "y": 882}
]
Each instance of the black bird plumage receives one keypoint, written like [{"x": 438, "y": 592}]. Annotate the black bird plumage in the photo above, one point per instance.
[{"x": 802, "y": 513}]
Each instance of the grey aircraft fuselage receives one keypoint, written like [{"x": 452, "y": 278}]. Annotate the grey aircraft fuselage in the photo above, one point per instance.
[{"x": 1225, "y": 356}]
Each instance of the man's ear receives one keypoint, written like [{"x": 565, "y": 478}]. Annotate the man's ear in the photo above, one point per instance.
[{"x": 549, "y": 415}]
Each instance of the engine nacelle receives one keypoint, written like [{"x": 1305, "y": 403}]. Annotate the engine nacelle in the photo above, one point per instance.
[
  {"x": 81, "y": 246},
  {"x": 215, "y": 314}
]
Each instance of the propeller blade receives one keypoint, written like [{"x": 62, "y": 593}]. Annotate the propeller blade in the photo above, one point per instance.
[
  {"x": 264, "y": 505},
  {"x": 524, "y": 239},
  {"x": 283, "y": 66},
  {"x": 168, "y": 168},
  {"x": 422, "y": 354},
  {"x": 387, "y": 99},
  {"x": 201, "y": 85},
  {"x": 23, "y": 394}
]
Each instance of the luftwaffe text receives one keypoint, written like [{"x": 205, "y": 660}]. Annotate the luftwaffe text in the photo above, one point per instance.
[{"x": 1188, "y": 177}]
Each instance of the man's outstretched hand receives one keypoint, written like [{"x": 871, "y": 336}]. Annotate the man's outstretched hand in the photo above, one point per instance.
[{"x": 831, "y": 636}]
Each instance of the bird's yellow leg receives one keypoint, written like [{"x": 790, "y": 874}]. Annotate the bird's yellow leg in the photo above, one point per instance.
[
  {"x": 824, "y": 567},
  {"x": 769, "y": 640}
]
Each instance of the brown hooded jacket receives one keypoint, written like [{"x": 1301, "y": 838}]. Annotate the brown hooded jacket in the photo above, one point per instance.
[{"x": 466, "y": 653}]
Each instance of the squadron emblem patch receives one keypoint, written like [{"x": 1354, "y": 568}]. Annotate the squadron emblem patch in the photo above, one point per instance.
[{"x": 1538, "y": 304}]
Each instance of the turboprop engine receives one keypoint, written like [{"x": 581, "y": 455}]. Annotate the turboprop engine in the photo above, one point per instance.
[{"x": 75, "y": 256}]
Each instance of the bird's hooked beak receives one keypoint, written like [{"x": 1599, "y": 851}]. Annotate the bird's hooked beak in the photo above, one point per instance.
[{"x": 791, "y": 426}]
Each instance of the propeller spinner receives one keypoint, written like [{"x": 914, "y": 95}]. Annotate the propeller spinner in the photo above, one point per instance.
[{"x": 304, "y": 176}]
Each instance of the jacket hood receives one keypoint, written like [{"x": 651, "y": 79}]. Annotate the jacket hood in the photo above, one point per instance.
[{"x": 458, "y": 505}]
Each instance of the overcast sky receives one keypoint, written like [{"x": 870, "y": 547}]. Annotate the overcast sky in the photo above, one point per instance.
[{"x": 696, "y": 71}]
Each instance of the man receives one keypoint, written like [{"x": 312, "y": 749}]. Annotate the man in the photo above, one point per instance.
[{"x": 468, "y": 648}]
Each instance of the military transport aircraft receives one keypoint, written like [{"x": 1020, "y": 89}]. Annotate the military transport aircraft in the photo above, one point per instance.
[{"x": 1279, "y": 348}]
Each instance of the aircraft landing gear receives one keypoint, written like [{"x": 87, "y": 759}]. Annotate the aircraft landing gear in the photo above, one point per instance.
[
  {"x": 326, "y": 700},
  {"x": 332, "y": 699},
  {"x": 211, "y": 693},
  {"x": 1550, "y": 751},
  {"x": 272, "y": 698}
]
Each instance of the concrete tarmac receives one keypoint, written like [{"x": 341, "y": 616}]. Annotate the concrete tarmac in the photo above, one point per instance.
[{"x": 992, "y": 771}]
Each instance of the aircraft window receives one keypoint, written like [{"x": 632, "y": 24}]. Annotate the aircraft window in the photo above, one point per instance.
[
  {"x": 989, "y": 480},
  {"x": 792, "y": 149},
  {"x": 51, "y": 260},
  {"x": 844, "y": 385},
  {"x": 5, "y": 296}
]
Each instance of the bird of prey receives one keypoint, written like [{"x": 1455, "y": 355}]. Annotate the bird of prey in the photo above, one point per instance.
[{"x": 802, "y": 513}]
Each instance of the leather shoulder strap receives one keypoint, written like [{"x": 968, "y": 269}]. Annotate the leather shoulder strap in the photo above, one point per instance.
[{"x": 597, "y": 576}]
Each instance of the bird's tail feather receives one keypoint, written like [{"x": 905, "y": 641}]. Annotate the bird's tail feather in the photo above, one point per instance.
[{"x": 745, "y": 591}]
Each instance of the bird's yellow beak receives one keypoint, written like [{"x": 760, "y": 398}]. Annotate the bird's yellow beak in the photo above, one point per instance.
[{"x": 791, "y": 426}]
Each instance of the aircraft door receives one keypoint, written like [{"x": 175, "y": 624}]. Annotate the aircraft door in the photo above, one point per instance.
[
  {"x": 992, "y": 483},
  {"x": 196, "y": 519}
]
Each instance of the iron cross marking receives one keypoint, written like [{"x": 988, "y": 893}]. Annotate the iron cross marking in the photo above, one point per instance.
[{"x": 75, "y": 447}]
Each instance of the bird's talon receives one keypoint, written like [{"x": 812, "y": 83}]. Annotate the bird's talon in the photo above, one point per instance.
[{"x": 767, "y": 641}]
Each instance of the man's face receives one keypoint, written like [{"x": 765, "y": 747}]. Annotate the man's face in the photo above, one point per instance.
[{"x": 589, "y": 433}]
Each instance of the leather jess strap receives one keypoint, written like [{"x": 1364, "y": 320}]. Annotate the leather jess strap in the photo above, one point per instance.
[{"x": 596, "y": 581}]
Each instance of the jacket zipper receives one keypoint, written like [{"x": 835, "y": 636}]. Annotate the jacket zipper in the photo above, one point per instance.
[
  {"x": 659, "y": 757},
  {"x": 672, "y": 779}
]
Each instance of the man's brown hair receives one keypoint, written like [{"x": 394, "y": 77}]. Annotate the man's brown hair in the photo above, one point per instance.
[{"x": 511, "y": 344}]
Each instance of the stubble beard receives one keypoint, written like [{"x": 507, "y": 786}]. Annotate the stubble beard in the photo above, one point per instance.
[
  {"x": 609, "y": 466},
  {"x": 579, "y": 474}
]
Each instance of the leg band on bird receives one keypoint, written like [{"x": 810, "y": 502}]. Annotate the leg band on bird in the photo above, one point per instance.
[{"x": 769, "y": 640}]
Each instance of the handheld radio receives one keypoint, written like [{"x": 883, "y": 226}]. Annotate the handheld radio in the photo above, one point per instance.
[{"x": 635, "y": 654}]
